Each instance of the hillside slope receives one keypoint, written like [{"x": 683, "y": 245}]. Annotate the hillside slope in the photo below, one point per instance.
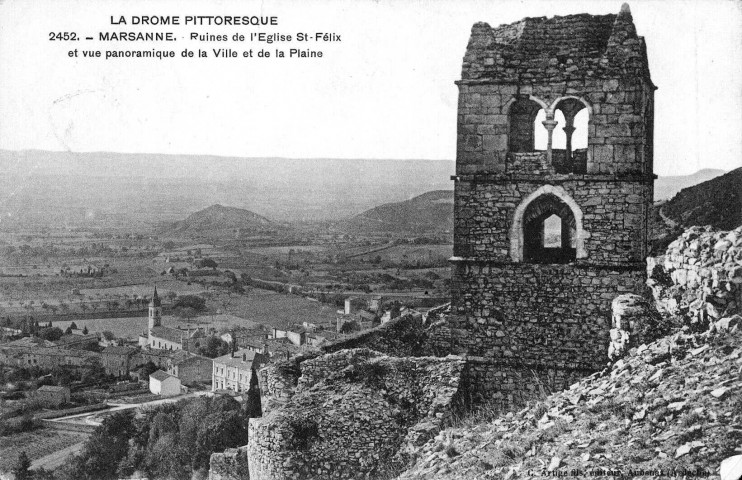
[
  {"x": 667, "y": 187},
  {"x": 675, "y": 404},
  {"x": 431, "y": 212},
  {"x": 717, "y": 202},
  {"x": 220, "y": 220}
]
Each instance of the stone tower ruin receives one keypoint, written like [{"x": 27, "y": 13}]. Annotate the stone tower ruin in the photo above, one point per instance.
[{"x": 549, "y": 227}]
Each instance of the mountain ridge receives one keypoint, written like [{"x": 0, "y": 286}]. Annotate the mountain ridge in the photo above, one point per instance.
[
  {"x": 430, "y": 212},
  {"x": 716, "y": 202}
]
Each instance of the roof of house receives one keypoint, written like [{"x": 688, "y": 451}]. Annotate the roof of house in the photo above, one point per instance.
[
  {"x": 559, "y": 48},
  {"x": 30, "y": 342},
  {"x": 159, "y": 375},
  {"x": 119, "y": 350},
  {"x": 197, "y": 333},
  {"x": 48, "y": 352},
  {"x": 243, "y": 358},
  {"x": 182, "y": 356},
  {"x": 293, "y": 329},
  {"x": 71, "y": 338},
  {"x": 52, "y": 388},
  {"x": 170, "y": 334},
  {"x": 366, "y": 315}
]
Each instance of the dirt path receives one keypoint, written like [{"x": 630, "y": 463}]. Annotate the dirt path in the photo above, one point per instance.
[
  {"x": 668, "y": 221},
  {"x": 56, "y": 459}
]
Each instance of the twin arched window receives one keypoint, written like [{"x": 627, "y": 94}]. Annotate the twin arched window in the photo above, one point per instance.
[{"x": 529, "y": 131}]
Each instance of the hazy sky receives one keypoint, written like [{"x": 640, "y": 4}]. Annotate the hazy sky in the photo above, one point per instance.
[{"x": 385, "y": 91}]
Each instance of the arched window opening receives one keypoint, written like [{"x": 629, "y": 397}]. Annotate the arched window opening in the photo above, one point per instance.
[
  {"x": 522, "y": 116},
  {"x": 549, "y": 231},
  {"x": 553, "y": 232},
  {"x": 579, "y": 136},
  {"x": 569, "y": 139},
  {"x": 541, "y": 136}
]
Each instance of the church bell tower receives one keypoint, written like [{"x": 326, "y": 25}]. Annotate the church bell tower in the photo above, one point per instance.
[{"x": 155, "y": 311}]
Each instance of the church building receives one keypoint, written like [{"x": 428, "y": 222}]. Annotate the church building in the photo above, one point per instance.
[{"x": 158, "y": 337}]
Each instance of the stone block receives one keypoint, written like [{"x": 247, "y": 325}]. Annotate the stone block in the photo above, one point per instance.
[
  {"x": 495, "y": 142},
  {"x": 603, "y": 154}
]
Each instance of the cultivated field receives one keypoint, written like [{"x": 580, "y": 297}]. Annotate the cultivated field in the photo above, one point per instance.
[
  {"x": 259, "y": 306},
  {"x": 277, "y": 309},
  {"x": 36, "y": 444}
]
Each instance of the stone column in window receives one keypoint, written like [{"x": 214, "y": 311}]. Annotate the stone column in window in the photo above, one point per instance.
[
  {"x": 569, "y": 129},
  {"x": 549, "y": 124}
]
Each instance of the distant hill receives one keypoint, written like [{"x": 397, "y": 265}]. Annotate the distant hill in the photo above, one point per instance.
[
  {"x": 717, "y": 202},
  {"x": 218, "y": 221},
  {"x": 124, "y": 189},
  {"x": 667, "y": 187},
  {"x": 121, "y": 190},
  {"x": 431, "y": 212}
]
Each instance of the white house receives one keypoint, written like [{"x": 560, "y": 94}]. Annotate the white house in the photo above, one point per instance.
[
  {"x": 233, "y": 372},
  {"x": 162, "y": 383}
]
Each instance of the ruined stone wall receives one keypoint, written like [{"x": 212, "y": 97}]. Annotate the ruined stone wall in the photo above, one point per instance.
[
  {"x": 232, "y": 464},
  {"x": 278, "y": 381},
  {"x": 613, "y": 216},
  {"x": 400, "y": 337},
  {"x": 508, "y": 385},
  {"x": 702, "y": 273},
  {"x": 403, "y": 336},
  {"x": 352, "y": 415},
  {"x": 555, "y": 316}
]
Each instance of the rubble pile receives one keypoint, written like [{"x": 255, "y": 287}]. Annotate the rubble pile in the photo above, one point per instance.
[{"x": 670, "y": 406}]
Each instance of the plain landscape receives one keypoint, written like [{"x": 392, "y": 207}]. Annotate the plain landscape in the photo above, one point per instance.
[{"x": 84, "y": 244}]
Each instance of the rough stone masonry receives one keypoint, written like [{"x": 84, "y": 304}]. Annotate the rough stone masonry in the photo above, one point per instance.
[{"x": 529, "y": 313}]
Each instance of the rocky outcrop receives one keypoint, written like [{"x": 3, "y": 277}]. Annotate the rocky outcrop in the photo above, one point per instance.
[
  {"x": 700, "y": 277},
  {"x": 355, "y": 414}
]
